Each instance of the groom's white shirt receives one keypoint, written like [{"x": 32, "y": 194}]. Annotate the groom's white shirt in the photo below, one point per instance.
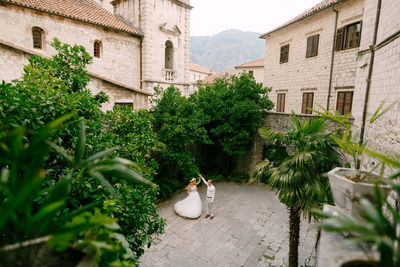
[{"x": 210, "y": 189}]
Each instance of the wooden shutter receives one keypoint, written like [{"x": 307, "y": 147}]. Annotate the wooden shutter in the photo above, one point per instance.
[
  {"x": 312, "y": 46},
  {"x": 280, "y": 103},
  {"x": 314, "y": 51},
  {"x": 348, "y": 102},
  {"x": 287, "y": 53},
  {"x": 344, "y": 102},
  {"x": 284, "y": 54},
  {"x": 339, "y": 39},
  {"x": 309, "y": 46},
  {"x": 308, "y": 102}
]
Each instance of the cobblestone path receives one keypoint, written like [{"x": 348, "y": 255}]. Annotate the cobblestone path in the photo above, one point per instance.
[{"x": 250, "y": 228}]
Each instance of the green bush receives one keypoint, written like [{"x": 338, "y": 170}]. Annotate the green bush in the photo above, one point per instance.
[
  {"x": 177, "y": 122},
  {"x": 22, "y": 165},
  {"x": 223, "y": 114},
  {"x": 233, "y": 111},
  {"x": 51, "y": 88}
]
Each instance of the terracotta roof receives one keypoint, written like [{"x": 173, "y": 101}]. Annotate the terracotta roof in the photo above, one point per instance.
[
  {"x": 315, "y": 9},
  {"x": 223, "y": 74},
  {"x": 198, "y": 68},
  {"x": 83, "y": 10},
  {"x": 255, "y": 63}
]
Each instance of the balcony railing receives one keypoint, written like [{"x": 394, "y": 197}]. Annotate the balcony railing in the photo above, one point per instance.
[{"x": 168, "y": 75}]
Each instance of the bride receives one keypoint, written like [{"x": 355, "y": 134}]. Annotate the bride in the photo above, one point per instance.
[{"x": 190, "y": 207}]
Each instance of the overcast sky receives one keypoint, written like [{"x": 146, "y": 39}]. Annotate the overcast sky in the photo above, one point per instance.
[{"x": 209, "y": 17}]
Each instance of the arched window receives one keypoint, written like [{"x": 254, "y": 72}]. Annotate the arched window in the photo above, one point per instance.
[
  {"x": 169, "y": 55},
  {"x": 37, "y": 37},
  {"x": 96, "y": 48}
]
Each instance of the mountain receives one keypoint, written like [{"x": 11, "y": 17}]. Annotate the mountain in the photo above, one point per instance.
[{"x": 227, "y": 49}]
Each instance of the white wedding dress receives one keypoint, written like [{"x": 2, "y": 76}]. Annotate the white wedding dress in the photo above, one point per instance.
[{"x": 190, "y": 207}]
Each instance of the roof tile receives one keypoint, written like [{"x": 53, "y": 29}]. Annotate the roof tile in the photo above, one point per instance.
[
  {"x": 315, "y": 9},
  {"x": 83, "y": 10},
  {"x": 255, "y": 63},
  {"x": 198, "y": 68}
]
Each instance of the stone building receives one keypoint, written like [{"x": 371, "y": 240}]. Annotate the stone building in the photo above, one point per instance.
[
  {"x": 304, "y": 65},
  {"x": 226, "y": 74},
  {"x": 343, "y": 56},
  {"x": 198, "y": 73},
  {"x": 255, "y": 67},
  {"x": 380, "y": 40},
  {"x": 135, "y": 45}
]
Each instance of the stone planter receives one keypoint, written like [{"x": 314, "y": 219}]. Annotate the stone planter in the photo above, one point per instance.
[
  {"x": 35, "y": 253},
  {"x": 346, "y": 191},
  {"x": 360, "y": 263}
]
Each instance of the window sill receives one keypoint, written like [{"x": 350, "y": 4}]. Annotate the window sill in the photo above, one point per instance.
[
  {"x": 348, "y": 50},
  {"x": 312, "y": 57}
]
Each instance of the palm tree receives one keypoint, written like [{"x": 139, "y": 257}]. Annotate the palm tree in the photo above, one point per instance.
[{"x": 295, "y": 168}]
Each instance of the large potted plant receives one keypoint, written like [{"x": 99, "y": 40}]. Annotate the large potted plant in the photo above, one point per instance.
[
  {"x": 376, "y": 227},
  {"x": 348, "y": 184}
]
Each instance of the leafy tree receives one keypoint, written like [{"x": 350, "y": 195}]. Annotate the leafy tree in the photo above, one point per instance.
[
  {"x": 298, "y": 174},
  {"x": 51, "y": 88},
  {"x": 178, "y": 123},
  {"x": 233, "y": 111}
]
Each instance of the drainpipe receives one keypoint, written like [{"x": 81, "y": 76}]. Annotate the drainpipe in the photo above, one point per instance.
[
  {"x": 141, "y": 46},
  {"x": 332, "y": 57},
  {"x": 141, "y": 63},
  {"x": 370, "y": 69}
]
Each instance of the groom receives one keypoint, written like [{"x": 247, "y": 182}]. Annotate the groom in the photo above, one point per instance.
[{"x": 209, "y": 198}]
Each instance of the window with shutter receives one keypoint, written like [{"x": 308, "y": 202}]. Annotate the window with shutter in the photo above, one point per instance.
[
  {"x": 339, "y": 39},
  {"x": 280, "y": 103},
  {"x": 344, "y": 102},
  {"x": 352, "y": 36},
  {"x": 284, "y": 54},
  {"x": 348, "y": 36},
  {"x": 308, "y": 102},
  {"x": 312, "y": 46}
]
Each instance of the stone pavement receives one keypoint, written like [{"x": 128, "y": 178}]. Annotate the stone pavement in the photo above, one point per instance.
[{"x": 250, "y": 228}]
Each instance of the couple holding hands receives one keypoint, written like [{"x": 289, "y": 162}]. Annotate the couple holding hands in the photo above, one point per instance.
[{"x": 190, "y": 207}]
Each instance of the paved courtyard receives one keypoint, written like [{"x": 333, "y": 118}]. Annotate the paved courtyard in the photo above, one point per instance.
[{"x": 250, "y": 228}]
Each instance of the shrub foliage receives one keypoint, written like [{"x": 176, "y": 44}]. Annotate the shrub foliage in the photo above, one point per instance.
[{"x": 51, "y": 88}]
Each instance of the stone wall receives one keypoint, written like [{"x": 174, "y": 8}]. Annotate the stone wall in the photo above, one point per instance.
[
  {"x": 161, "y": 21},
  {"x": 383, "y": 135},
  {"x": 258, "y": 72},
  {"x": 12, "y": 60},
  {"x": 276, "y": 121},
  {"x": 301, "y": 74},
  {"x": 213, "y": 156},
  {"x": 120, "y": 52}
]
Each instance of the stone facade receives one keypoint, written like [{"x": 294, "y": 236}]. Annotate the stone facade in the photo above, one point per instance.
[
  {"x": 129, "y": 65},
  {"x": 197, "y": 73},
  {"x": 383, "y": 134},
  {"x": 350, "y": 67},
  {"x": 255, "y": 67},
  {"x": 300, "y": 74},
  {"x": 275, "y": 121},
  {"x": 258, "y": 72},
  {"x": 162, "y": 21}
]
